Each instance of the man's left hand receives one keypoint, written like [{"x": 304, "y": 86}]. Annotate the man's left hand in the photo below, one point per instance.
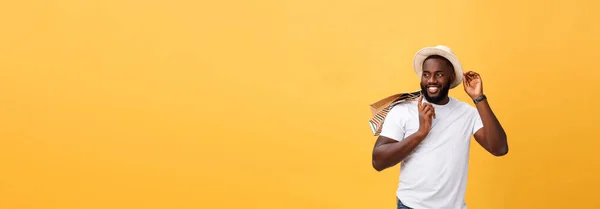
[{"x": 473, "y": 84}]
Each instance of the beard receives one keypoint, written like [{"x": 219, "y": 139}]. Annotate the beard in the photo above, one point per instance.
[{"x": 436, "y": 99}]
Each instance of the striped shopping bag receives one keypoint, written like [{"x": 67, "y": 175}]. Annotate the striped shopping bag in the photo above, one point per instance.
[{"x": 382, "y": 107}]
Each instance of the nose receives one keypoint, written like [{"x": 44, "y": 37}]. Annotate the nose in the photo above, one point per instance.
[{"x": 431, "y": 80}]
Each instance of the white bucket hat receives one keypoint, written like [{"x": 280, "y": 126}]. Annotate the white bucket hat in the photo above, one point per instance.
[{"x": 443, "y": 51}]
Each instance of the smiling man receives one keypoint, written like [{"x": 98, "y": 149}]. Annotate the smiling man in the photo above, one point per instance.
[{"x": 430, "y": 137}]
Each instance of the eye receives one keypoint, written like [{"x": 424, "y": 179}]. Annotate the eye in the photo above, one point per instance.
[{"x": 439, "y": 75}]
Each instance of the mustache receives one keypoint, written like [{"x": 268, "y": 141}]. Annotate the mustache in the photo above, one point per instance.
[{"x": 432, "y": 85}]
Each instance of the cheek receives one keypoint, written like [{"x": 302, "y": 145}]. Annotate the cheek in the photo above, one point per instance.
[
  {"x": 442, "y": 82},
  {"x": 447, "y": 80}
]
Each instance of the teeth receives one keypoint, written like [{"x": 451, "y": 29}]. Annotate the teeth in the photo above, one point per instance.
[{"x": 433, "y": 88}]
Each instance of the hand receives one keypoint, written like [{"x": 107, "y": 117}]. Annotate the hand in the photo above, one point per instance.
[
  {"x": 426, "y": 113},
  {"x": 473, "y": 84}
]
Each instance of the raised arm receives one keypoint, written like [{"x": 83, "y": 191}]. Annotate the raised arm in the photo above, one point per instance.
[
  {"x": 492, "y": 136},
  {"x": 388, "y": 152}
]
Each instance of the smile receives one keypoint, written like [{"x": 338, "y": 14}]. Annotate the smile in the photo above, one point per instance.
[{"x": 433, "y": 89}]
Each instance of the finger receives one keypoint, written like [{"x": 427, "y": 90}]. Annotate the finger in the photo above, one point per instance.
[
  {"x": 430, "y": 113},
  {"x": 430, "y": 106},
  {"x": 471, "y": 74},
  {"x": 424, "y": 108},
  {"x": 420, "y": 102},
  {"x": 427, "y": 111}
]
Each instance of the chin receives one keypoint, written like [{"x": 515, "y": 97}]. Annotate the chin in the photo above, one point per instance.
[{"x": 433, "y": 96}]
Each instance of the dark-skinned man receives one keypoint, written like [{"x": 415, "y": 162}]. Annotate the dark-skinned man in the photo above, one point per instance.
[{"x": 430, "y": 136}]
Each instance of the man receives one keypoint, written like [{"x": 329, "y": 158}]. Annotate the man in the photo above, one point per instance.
[{"x": 431, "y": 135}]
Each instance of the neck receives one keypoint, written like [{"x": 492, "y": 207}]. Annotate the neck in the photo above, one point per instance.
[{"x": 443, "y": 101}]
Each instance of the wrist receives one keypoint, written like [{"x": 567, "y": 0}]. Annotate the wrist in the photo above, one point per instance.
[
  {"x": 421, "y": 133},
  {"x": 475, "y": 96},
  {"x": 479, "y": 98}
]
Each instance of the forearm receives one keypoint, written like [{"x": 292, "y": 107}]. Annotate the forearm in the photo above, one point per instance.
[
  {"x": 390, "y": 154},
  {"x": 495, "y": 136}
]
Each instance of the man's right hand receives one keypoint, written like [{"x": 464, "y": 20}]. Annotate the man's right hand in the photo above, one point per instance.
[
  {"x": 389, "y": 152},
  {"x": 426, "y": 113}
]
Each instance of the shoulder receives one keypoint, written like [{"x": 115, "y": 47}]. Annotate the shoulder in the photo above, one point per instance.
[
  {"x": 403, "y": 107},
  {"x": 465, "y": 107},
  {"x": 400, "y": 110},
  {"x": 462, "y": 104}
]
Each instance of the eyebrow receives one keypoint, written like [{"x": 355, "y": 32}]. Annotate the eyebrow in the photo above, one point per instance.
[{"x": 437, "y": 71}]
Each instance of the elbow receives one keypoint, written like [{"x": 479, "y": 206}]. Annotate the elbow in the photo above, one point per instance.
[
  {"x": 377, "y": 165},
  {"x": 501, "y": 152}
]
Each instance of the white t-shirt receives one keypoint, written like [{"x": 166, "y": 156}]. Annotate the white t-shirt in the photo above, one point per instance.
[{"x": 434, "y": 176}]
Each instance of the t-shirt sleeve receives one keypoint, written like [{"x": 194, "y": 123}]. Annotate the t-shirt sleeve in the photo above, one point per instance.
[
  {"x": 477, "y": 124},
  {"x": 393, "y": 125}
]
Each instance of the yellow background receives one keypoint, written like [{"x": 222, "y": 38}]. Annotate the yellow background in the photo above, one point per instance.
[{"x": 264, "y": 104}]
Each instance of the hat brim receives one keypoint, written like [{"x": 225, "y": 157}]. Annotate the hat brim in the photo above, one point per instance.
[{"x": 422, "y": 54}]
